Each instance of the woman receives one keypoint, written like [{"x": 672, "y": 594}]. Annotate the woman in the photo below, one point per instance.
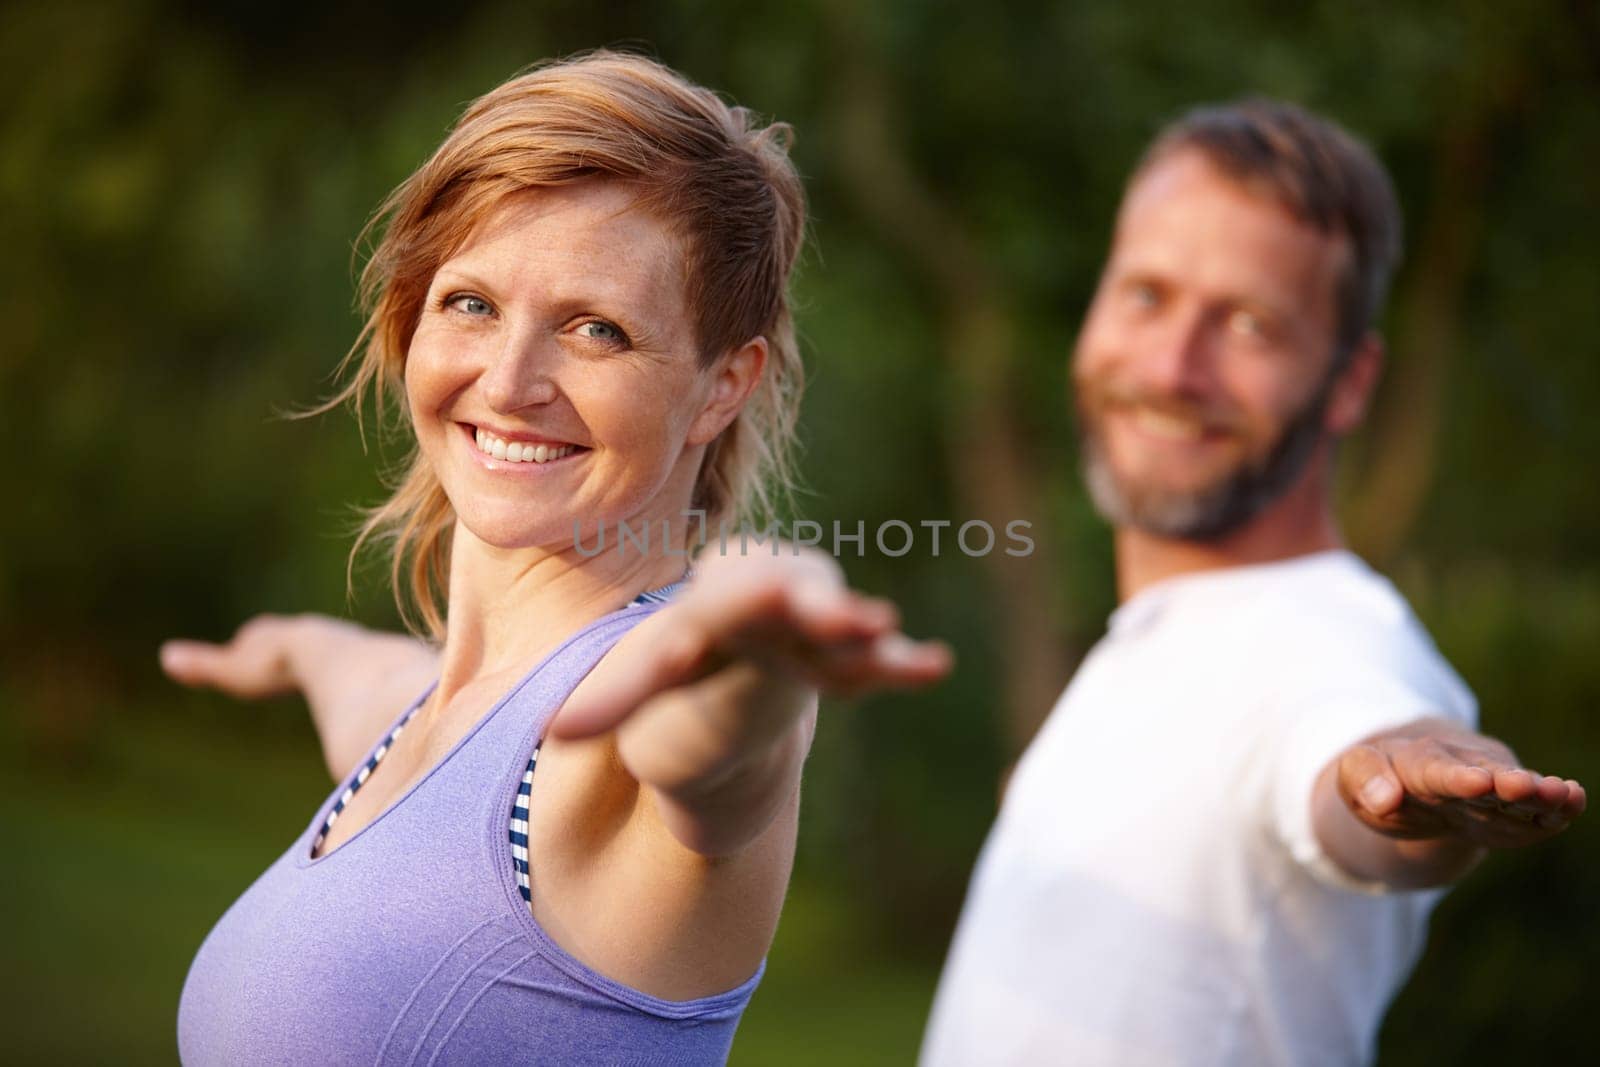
[{"x": 581, "y": 299}]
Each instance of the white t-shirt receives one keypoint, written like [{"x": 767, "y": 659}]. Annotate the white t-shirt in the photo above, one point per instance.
[{"x": 1152, "y": 891}]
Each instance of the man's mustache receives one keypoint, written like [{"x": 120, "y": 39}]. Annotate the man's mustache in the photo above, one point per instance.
[{"x": 1097, "y": 397}]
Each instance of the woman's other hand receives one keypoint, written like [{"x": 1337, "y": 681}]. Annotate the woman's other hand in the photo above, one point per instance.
[
  {"x": 255, "y": 663},
  {"x": 355, "y": 680}
]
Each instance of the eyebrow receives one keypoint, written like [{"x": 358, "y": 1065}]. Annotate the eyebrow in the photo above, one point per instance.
[
  {"x": 1142, "y": 276},
  {"x": 597, "y": 297},
  {"x": 457, "y": 276}
]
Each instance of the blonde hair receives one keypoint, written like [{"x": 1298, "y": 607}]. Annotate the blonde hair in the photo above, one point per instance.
[{"x": 711, "y": 171}]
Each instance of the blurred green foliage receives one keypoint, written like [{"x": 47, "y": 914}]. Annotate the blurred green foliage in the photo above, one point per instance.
[{"x": 180, "y": 185}]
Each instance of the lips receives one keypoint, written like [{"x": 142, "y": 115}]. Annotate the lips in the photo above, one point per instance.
[
  {"x": 1179, "y": 429},
  {"x": 1171, "y": 419},
  {"x": 511, "y": 449}
]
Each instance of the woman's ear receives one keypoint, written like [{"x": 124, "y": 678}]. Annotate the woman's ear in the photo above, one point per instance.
[{"x": 734, "y": 378}]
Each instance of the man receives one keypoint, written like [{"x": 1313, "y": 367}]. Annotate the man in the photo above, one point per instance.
[{"x": 1211, "y": 854}]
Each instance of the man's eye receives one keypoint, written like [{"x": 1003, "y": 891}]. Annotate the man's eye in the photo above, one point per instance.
[
  {"x": 1247, "y": 324},
  {"x": 1143, "y": 296},
  {"x": 602, "y": 331},
  {"x": 472, "y": 305}
]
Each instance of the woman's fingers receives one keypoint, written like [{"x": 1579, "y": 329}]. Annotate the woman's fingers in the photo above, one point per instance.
[
  {"x": 856, "y": 666},
  {"x": 828, "y": 615},
  {"x": 252, "y": 665},
  {"x": 191, "y": 662},
  {"x": 238, "y": 672},
  {"x": 678, "y": 656},
  {"x": 889, "y": 661},
  {"x": 793, "y": 617}
]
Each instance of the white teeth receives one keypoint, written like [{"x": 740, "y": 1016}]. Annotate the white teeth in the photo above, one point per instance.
[
  {"x": 1170, "y": 426},
  {"x": 517, "y": 451}
]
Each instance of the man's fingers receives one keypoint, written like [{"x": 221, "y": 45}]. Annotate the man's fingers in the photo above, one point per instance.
[
  {"x": 1462, "y": 781},
  {"x": 1511, "y": 786},
  {"x": 1445, "y": 776},
  {"x": 1522, "y": 808},
  {"x": 1429, "y": 771},
  {"x": 1525, "y": 793},
  {"x": 1367, "y": 781},
  {"x": 1470, "y": 786},
  {"x": 1516, "y": 786},
  {"x": 1550, "y": 792},
  {"x": 1577, "y": 800}
]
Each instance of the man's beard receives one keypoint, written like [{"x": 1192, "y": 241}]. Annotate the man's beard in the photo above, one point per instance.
[{"x": 1214, "y": 511}]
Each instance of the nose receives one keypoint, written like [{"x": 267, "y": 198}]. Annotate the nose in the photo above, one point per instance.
[
  {"x": 520, "y": 375},
  {"x": 1178, "y": 357}
]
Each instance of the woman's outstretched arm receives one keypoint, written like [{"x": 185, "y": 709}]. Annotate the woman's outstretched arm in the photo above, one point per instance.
[
  {"x": 355, "y": 680},
  {"x": 714, "y": 714}
]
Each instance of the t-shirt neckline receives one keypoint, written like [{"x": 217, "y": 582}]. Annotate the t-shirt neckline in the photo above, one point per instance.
[{"x": 1152, "y": 600}]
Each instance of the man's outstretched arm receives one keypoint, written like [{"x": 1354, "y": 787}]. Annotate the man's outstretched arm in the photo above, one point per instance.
[{"x": 1418, "y": 805}]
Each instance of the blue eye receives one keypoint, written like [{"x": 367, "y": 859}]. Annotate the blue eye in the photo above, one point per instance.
[
  {"x": 469, "y": 304},
  {"x": 602, "y": 331}
]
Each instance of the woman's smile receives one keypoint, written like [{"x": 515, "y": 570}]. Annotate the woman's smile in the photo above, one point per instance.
[{"x": 497, "y": 451}]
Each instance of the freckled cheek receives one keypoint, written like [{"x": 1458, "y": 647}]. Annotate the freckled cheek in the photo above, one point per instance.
[
  {"x": 430, "y": 381},
  {"x": 421, "y": 402},
  {"x": 640, "y": 431}
]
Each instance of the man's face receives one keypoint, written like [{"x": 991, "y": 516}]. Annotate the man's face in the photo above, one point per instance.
[{"x": 1202, "y": 367}]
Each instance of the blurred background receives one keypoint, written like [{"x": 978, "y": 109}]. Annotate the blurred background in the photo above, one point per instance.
[{"x": 180, "y": 189}]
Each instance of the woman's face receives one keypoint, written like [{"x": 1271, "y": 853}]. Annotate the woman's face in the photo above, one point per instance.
[{"x": 553, "y": 377}]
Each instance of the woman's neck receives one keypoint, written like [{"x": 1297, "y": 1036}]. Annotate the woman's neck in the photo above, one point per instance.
[{"x": 507, "y": 606}]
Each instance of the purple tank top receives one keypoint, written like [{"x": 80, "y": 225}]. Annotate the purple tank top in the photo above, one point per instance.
[{"x": 410, "y": 944}]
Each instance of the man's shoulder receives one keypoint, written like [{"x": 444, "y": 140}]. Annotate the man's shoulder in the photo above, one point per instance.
[
  {"x": 1336, "y": 599},
  {"x": 1342, "y": 625}
]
